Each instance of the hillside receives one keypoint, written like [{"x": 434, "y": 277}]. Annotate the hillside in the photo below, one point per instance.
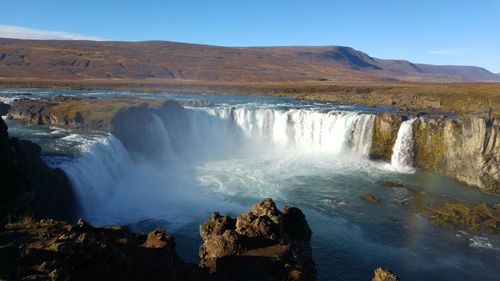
[
  {"x": 170, "y": 61},
  {"x": 470, "y": 72}
]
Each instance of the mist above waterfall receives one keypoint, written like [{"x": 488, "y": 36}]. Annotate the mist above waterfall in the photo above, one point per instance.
[{"x": 169, "y": 169}]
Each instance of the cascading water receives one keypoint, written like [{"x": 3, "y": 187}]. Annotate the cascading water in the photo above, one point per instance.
[
  {"x": 363, "y": 134},
  {"x": 93, "y": 174},
  {"x": 304, "y": 129},
  {"x": 159, "y": 141},
  {"x": 402, "y": 152}
]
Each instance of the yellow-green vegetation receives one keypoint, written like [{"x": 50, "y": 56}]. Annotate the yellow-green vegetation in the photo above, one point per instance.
[
  {"x": 475, "y": 218},
  {"x": 430, "y": 146},
  {"x": 96, "y": 111},
  {"x": 459, "y": 98},
  {"x": 370, "y": 198},
  {"x": 385, "y": 131}
]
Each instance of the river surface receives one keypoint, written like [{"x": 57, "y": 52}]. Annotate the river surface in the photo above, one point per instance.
[{"x": 242, "y": 149}]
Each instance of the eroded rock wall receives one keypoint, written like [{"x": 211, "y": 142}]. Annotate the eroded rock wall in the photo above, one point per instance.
[
  {"x": 466, "y": 148},
  {"x": 385, "y": 131}
]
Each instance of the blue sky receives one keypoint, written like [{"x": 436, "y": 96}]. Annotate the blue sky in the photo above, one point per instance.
[{"x": 438, "y": 32}]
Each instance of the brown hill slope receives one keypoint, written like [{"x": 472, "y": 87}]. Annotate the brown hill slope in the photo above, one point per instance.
[
  {"x": 77, "y": 60},
  {"x": 473, "y": 73}
]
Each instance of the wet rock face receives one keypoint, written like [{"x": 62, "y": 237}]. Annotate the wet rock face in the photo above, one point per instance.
[
  {"x": 385, "y": 131},
  {"x": 261, "y": 244},
  {"x": 467, "y": 149},
  {"x": 382, "y": 274},
  {"x": 51, "y": 250},
  {"x": 28, "y": 186}
]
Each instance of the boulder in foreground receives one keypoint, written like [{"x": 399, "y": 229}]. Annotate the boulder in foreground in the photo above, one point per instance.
[{"x": 261, "y": 244}]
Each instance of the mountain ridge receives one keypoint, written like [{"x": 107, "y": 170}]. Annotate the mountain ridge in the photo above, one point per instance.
[{"x": 175, "y": 61}]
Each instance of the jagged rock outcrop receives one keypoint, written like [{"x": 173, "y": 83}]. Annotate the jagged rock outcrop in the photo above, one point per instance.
[
  {"x": 382, "y": 274},
  {"x": 261, "y": 244},
  {"x": 52, "y": 250},
  {"x": 28, "y": 185}
]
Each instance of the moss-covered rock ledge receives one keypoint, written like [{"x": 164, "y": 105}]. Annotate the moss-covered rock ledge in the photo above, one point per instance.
[
  {"x": 466, "y": 148},
  {"x": 125, "y": 118},
  {"x": 71, "y": 112}
]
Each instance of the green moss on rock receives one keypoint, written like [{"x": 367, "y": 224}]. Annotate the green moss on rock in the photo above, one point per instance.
[
  {"x": 370, "y": 198},
  {"x": 385, "y": 132},
  {"x": 475, "y": 218},
  {"x": 429, "y": 143}
]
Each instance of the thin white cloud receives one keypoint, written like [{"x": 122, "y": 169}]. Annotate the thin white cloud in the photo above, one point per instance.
[
  {"x": 448, "y": 52},
  {"x": 16, "y": 32}
]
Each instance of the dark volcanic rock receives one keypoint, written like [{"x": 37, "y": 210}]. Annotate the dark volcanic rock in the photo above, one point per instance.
[
  {"x": 51, "y": 250},
  {"x": 261, "y": 244},
  {"x": 31, "y": 111},
  {"x": 29, "y": 186},
  {"x": 4, "y": 108}
]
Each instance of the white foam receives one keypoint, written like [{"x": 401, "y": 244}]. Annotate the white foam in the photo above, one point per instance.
[
  {"x": 402, "y": 153},
  {"x": 480, "y": 242}
]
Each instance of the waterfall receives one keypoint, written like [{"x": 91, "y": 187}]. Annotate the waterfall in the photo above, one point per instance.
[
  {"x": 402, "y": 152},
  {"x": 363, "y": 134},
  {"x": 218, "y": 133},
  {"x": 306, "y": 130},
  {"x": 159, "y": 140},
  {"x": 93, "y": 174}
]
